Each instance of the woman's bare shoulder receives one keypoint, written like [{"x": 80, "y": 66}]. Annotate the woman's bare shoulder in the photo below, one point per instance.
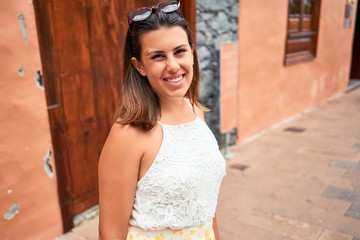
[
  {"x": 124, "y": 142},
  {"x": 127, "y": 132}
]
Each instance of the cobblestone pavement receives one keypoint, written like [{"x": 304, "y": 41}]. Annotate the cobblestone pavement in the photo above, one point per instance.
[{"x": 297, "y": 181}]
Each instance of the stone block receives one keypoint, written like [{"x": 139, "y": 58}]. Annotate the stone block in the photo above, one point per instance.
[
  {"x": 353, "y": 175},
  {"x": 332, "y": 152},
  {"x": 356, "y": 146},
  {"x": 71, "y": 236},
  {"x": 279, "y": 225},
  {"x": 345, "y": 164},
  {"x": 332, "y": 235},
  {"x": 342, "y": 194},
  {"x": 329, "y": 220},
  {"x": 354, "y": 211},
  {"x": 89, "y": 230}
]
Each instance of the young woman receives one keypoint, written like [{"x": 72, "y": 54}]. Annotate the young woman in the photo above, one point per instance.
[{"x": 160, "y": 170}]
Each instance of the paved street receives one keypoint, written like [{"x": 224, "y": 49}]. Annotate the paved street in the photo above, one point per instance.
[
  {"x": 297, "y": 181},
  {"x": 300, "y": 184}
]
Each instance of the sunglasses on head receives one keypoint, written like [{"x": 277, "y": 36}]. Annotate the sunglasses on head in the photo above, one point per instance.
[{"x": 144, "y": 13}]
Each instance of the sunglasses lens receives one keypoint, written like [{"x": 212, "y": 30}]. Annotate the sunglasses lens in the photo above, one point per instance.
[
  {"x": 140, "y": 14},
  {"x": 143, "y": 13},
  {"x": 169, "y": 6}
]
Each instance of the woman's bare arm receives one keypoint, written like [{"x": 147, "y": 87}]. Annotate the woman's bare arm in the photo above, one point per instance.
[
  {"x": 118, "y": 175},
  {"x": 216, "y": 229}
]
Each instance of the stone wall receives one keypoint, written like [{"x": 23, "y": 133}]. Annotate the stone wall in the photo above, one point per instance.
[{"x": 216, "y": 23}]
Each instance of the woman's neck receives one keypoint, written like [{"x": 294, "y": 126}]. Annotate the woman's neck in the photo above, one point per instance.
[{"x": 176, "y": 111}]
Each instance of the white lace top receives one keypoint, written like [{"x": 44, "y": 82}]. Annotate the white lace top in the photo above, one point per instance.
[{"x": 181, "y": 187}]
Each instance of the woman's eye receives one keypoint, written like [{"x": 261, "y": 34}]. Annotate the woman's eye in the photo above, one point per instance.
[
  {"x": 180, "y": 51},
  {"x": 157, "y": 57}
]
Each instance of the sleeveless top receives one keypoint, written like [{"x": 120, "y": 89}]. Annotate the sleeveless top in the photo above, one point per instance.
[{"x": 181, "y": 187}]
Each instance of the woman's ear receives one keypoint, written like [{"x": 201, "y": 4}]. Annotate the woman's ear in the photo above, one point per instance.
[{"x": 138, "y": 65}]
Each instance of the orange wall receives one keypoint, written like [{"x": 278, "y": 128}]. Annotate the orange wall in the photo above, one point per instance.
[
  {"x": 24, "y": 132},
  {"x": 268, "y": 91}
]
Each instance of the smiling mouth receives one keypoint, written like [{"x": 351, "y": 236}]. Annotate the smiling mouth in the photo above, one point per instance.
[{"x": 174, "y": 80}]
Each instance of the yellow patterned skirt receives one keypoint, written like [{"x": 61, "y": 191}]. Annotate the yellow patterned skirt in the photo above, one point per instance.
[{"x": 204, "y": 232}]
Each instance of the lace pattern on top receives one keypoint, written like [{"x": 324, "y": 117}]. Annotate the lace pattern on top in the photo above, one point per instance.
[{"x": 181, "y": 187}]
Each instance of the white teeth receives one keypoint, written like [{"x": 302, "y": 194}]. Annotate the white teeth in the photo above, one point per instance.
[{"x": 175, "y": 80}]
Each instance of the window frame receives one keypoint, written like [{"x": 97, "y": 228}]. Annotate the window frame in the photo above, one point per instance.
[{"x": 301, "y": 46}]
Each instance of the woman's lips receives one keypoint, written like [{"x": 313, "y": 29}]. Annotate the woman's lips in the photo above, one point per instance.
[{"x": 174, "y": 79}]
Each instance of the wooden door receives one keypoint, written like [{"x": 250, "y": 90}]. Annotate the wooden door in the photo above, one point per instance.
[
  {"x": 81, "y": 48},
  {"x": 355, "y": 63},
  {"x": 81, "y": 45}
]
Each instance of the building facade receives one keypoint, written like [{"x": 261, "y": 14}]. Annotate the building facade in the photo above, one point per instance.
[
  {"x": 292, "y": 55},
  {"x": 29, "y": 203},
  {"x": 269, "y": 89}
]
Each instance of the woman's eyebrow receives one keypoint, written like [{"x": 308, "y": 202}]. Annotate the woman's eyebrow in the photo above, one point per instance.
[
  {"x": 154, "y": 52},
  {"x": 180, "y": 46},
  {"x": 161, "y": 52}
]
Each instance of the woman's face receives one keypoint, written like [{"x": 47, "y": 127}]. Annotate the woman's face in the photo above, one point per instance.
[{"x": 167, "y": 61}]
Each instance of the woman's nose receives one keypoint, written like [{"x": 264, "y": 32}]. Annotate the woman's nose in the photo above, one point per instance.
[{"x": 172, "y": 64}]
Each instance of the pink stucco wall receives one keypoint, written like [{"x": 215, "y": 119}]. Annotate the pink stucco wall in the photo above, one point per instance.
[
  {"x": 24, "y": 132},
  {"x": 268, "y": 91}
]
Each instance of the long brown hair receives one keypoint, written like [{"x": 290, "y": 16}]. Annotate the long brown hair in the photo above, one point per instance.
[{"x": 138, "y": 104}]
